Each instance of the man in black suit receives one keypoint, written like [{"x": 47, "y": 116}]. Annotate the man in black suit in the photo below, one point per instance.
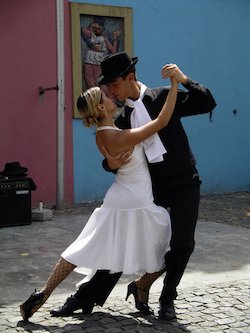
[{"x": 175, "y": 179}]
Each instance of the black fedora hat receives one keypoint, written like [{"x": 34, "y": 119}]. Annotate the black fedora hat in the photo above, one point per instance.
[
  {"x": 13, "y": 169},
  {"x": 114, "y": 66}
]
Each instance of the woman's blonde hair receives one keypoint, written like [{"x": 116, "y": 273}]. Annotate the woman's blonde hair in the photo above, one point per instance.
[{"x": 87, "y": 105}]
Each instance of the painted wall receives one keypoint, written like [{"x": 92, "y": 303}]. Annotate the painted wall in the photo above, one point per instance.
[
  {"x": 28, "y": 58},
  {"x": 210, "y": 41}
]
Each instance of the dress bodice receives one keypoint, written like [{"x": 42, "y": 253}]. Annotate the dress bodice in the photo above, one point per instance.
[{"x": 132, "y": 187}]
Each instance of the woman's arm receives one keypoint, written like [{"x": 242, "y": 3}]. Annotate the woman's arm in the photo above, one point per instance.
[{"x": 117, "y": 141}]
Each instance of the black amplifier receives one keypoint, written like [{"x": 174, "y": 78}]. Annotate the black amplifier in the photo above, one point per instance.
[{"x": 15, "y": 201}]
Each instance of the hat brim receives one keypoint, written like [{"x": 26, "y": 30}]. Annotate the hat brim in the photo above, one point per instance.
[
  {"x": 14, "y": 172},
  {"x": 104, "y": 80}
]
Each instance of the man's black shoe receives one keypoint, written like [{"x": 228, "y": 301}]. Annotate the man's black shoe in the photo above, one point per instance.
[
  {"x": 71, "y": 305},
  {"x": 167, "y": 311}
]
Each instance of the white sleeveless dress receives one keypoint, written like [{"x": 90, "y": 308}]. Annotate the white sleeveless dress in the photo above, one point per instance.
[{"x": 128, "y": 233}]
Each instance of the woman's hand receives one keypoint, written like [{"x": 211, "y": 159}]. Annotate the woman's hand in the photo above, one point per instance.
[{"x": 172, "y": 70}]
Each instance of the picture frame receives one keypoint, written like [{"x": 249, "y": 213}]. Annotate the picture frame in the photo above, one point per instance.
[{"x": 97, "y": 30}]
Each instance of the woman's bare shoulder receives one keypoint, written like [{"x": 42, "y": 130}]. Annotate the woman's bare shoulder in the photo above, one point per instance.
[{"x": 112, "y": 140}]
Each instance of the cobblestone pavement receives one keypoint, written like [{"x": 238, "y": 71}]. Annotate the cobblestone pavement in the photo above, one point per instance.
[{"x": 222, "y": 306}]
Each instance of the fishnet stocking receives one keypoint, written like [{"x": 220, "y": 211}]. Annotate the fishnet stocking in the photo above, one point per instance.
[
  {"x": 59, "y": 273},
  {"x": 144, "y": 283}
]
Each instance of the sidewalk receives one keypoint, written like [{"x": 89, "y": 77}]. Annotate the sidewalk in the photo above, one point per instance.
[{"x": 214, "y": 294}]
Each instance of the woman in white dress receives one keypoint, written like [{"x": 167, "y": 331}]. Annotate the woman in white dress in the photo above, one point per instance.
[{"x": 128, "y": 233}]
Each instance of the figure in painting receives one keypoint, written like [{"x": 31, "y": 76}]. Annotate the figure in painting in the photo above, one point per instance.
[{"x": 99, "y": 42}]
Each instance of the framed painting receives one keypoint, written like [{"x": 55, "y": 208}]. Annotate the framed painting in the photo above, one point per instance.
[{"x": 97, "y": 30}]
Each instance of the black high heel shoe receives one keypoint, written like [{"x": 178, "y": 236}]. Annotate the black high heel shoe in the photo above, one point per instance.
[
  {"x": 142, "y": 307},
  {"x": 32, "y": 302}
]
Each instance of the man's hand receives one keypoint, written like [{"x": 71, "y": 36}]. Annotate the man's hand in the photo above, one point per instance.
[
  {"x": 173, "y": 70},
  {"x": 115, "y": 162}
]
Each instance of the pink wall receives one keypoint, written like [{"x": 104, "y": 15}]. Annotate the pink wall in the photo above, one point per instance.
[{"x": 28, "y": 58}]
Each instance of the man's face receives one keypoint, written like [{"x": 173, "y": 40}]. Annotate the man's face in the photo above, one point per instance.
[{"x": 119, "y": 88}]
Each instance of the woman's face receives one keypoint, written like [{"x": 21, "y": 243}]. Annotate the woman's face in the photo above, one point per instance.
[{"x": 108, "y": 103}]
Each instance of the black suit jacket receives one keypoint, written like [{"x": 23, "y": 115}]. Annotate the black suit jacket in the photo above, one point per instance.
[{"x": 196, "y": 100}]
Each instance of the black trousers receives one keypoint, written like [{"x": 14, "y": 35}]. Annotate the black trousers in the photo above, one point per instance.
[
  {"x": 180, "y": 193},
  {"x": 184, "y": 214},
  {"x": 97, "y": 290},
  {"x": 182, "y": 198}
]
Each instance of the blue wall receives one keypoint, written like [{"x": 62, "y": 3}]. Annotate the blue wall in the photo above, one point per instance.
[{"x": 210, "y": 41}]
